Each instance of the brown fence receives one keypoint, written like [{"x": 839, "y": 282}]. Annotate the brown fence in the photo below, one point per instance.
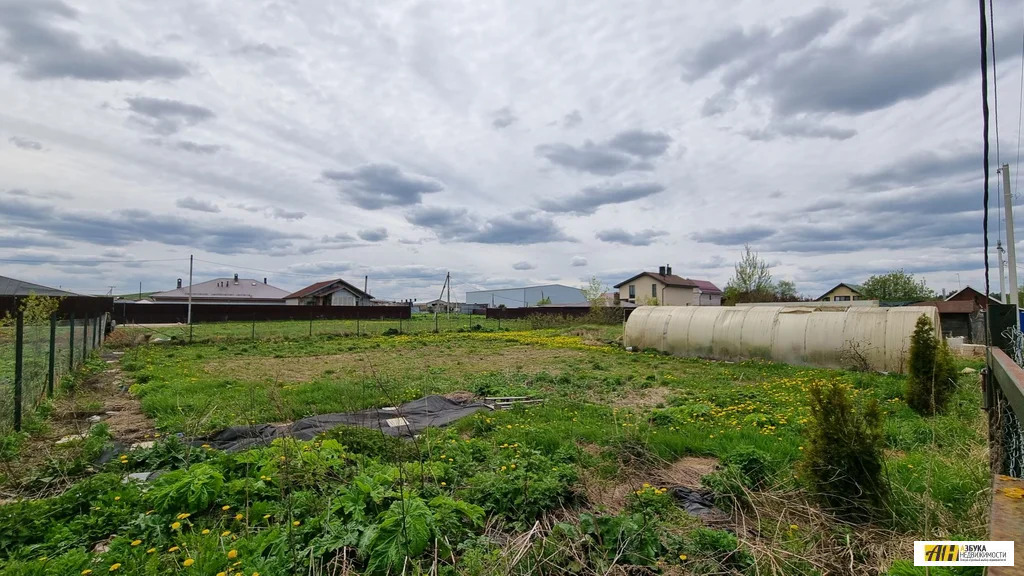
[
  {"x": 562, "y": 311},
  {"x": 167, "y": 313},
  {"x": 80, "y": 306}
]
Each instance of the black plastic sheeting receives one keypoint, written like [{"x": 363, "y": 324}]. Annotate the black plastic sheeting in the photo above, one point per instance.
[
  {"x": 696, "y": 502},
  {"x": 406, "y": 420}
]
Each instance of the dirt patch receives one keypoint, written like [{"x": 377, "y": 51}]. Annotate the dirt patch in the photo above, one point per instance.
[
  {"x": 612, "y": 495},
  {"x": 461, "y": 396},
  {"x": 398, "y": 362},
  {"x": 642, "y": 397}
]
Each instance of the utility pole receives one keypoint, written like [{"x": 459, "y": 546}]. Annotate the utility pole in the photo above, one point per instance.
[
  {"x": 448, "y": 282},
  {"x": 1011, "y": 251},
  {"x": 1002, "y": 272},
  {"x": 140, "y": 290},
  {"x": 190, "y": 290},
  {"x": 366, "y": 284}
]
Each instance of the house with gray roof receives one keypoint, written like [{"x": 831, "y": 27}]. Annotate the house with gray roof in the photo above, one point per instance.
[
  {"x": 15, "y": 287},
  {"x": 233, "y": 290}
]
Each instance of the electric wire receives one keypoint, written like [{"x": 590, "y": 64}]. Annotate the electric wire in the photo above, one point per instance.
[{"x": 985, "y": 145}]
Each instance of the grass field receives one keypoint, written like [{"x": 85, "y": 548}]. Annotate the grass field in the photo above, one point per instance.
[{"x": 574, "y": 485}]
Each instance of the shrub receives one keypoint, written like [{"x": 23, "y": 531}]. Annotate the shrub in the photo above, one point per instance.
[
  {"x": 932, "y": 377},
  {"x": 843, "y": 452},
  {"x": 754, "y": 465},
  {"x": 191, "y": 490}
]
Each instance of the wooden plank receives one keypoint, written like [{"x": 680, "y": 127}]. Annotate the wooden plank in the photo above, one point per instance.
[{"x": 1006, "y": 521}]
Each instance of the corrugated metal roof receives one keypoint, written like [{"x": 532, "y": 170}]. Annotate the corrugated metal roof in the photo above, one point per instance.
[
  {"x": 15, "y": 287},
  {"x": 225, "y": 289},
  {"x": 327, "y": 287},
  {"x": 674, "y": 280}
]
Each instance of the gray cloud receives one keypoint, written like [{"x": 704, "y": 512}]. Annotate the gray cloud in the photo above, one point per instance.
[
  {"x": 282, "y": 214},
  {"x": 523, "y": 266},
  {"x": 322, "y": 268},
  {"x": 121, "y": 227},
  {"x": 920, "y": 168},
  {"x": 42, "y": 49},
  {"x": 734, "y": 236},
  {"x": 852, "y": 75},
  {"x": 639, "y": 143},
  {"x": 20, "y": 241},
  {"x": 374, "y": 234},
  {"x": 572, "y": 119},
  {"x": 503, "y": 118},
  {"x": 164, "y": 116},
  {"x": 578, "y": 261},
  {"x": 589, "y": 199},
  {"x": 375, "y": 186},
  {"x": 519, "y": 228},
  {"x": 620, "y": 236},
  {"x": 190, "y": 203},
  {"x": 628, "y": 150},
  {"x": 184, "y": 145},
  {"x": 718, "y": 104},
  {"x": 264, "y": 50},
  {"x": 799, "y": 128},
  {"x": 25, "y": 143}
]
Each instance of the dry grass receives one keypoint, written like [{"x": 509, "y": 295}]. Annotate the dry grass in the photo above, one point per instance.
[{"x": 642, "y": 397}]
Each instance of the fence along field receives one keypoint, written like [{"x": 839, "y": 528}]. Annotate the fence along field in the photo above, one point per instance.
[
  {"x": 53, "y": 344},
  {"x": 580, "y": 483}
]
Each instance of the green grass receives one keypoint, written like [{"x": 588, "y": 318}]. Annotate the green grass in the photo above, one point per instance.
[{"x": 608, "y": 413}]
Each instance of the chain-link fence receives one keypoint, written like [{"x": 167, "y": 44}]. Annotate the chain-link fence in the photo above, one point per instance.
[{"x": 36, "y": 354}]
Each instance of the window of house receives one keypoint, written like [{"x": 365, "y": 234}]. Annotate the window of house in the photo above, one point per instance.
[
  {"x": 654, "y": 290},
  {"x": 632, "y": 290},
  {"x": 841, "y": 299}
]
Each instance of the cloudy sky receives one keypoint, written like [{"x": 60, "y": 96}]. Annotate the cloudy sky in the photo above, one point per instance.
[{"x": 511, "y": 143}]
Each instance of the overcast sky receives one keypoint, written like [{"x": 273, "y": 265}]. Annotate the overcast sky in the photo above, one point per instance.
[{"x": 511, "y": 143}]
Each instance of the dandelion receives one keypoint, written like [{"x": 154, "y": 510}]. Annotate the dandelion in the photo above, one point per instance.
[
  {"x": 225, "y": 508},
  {"x": 115, "y": 566},
  {"x": 232, "y": 554},
  {"x": 183, "y": 515},
  {"x": 176, "y": 526},
  {"x": 205, "y": 531},
  {"x": 794, "y": 527},
  {"x": 444, "y": 484},
  {"x": 151, "y": 550},
  {"x": 266, "y": 516},
  {"x": 238, "y": 516},
  {"x": 173, "y": 549},
  {"x": 87, "y": 571},
  {"x": 296, "y": 523},
  {"x": 222, "y": 574},
  {"x": 188, "y": 562},
  {"x": 226, "y": 533},
  {"x": 136, "y": 542},
  {"x": 116, "y": 498},
  {"x": 503, "y": 468},
  {"x": 682, "y": 556}
]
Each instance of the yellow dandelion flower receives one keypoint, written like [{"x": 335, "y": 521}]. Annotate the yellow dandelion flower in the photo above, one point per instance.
[
  {"x": 188, "y": 562},
  {"x": 226, "y": 533},
  {"x": 151, "y": 550},
  {"x": 794, "y": 527},
  {"x": 225, "y": 508},
  {"x": 205, "y": 532},
  {"x": 115, "y": 566},
  {"x": 232, "y": 554},
  {"x": 238, "y": 516},
  {"x": 266, "y": 516},
  {"x": 136, "y": 542},
  {"x": 222, "y": 574},
  {"x": 87, "y": 571},
  {"x": 173, "y": 549},
  {"x": 176, "y": 526},
  {"x": 116, "y": 498},
  {"x": 682, "y": 556},
  {"x": 444, "y": 484},
  {"x": 296, "y": 523}
]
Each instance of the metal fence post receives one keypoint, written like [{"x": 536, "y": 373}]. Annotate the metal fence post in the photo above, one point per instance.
[
  {"x": 19, "y": 357},
  {"x": 71, "y": 346},
  {"x": 50, "y": 374},
  {"x": 310, "y": 322},
  {"x": 85, "y": 338}
]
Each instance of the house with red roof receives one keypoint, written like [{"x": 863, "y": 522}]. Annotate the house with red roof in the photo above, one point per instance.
[
  {"x": 665, "y": 288},
  {"x": 335, "y": 292}
]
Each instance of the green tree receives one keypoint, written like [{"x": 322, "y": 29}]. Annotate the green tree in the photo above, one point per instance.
[
  {"x": 843, "y": 451},
  {"x": 594, "y": 292},
  {"x": 544, "y": 301},
  {"x": 896, "y": 285},
  {"x": 932, "y": 373},
  {"x": 752, "y": 282}
]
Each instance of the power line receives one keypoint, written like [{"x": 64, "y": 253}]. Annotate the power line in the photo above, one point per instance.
[
  {"x": 281, "y": 272},
  {"x": 984, "y": 116},
  {"x": 1020, "y": 115}
]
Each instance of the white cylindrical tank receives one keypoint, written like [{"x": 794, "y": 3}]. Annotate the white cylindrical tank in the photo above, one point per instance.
[{"x": 830, "y": 337}]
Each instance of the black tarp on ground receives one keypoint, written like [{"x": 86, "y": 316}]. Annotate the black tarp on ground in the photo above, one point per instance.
[{"x": 407, "y": 420}]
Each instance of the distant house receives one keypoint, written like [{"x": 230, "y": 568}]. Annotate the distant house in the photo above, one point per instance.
[
  {"x": 667, "y": 289},
  {"x": 962, "y": 314},
  {"x": 844, "y": 293},
  {"x": 971, "y": 295},
  {"x": 224, "y": 291},
  {"x": 15, "y": 287},
  {"x": 527, "y": 296},
  {"x": 335, "y": 292}
]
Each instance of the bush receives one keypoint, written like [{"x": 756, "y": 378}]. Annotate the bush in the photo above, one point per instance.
[
  {"x": 843, "y": 452},
  {"x": 932, "y": 378}
]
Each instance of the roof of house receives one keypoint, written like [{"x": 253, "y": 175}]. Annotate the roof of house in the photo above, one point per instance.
[
  {"x": 969, "y": 290},
  {"x": 950, "y": 306},
  {"x": 523, "y": 288},
  {"x": 854, "y": 287},
  {"x": 673, "y": 280},
  {"x": 225, "y": 289},
  {"x": 327, "y": 287},
  {"x": 15, "y": 287}
]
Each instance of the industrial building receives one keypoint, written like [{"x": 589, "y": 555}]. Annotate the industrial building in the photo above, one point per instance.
[{"x": 526, "y": 296}]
